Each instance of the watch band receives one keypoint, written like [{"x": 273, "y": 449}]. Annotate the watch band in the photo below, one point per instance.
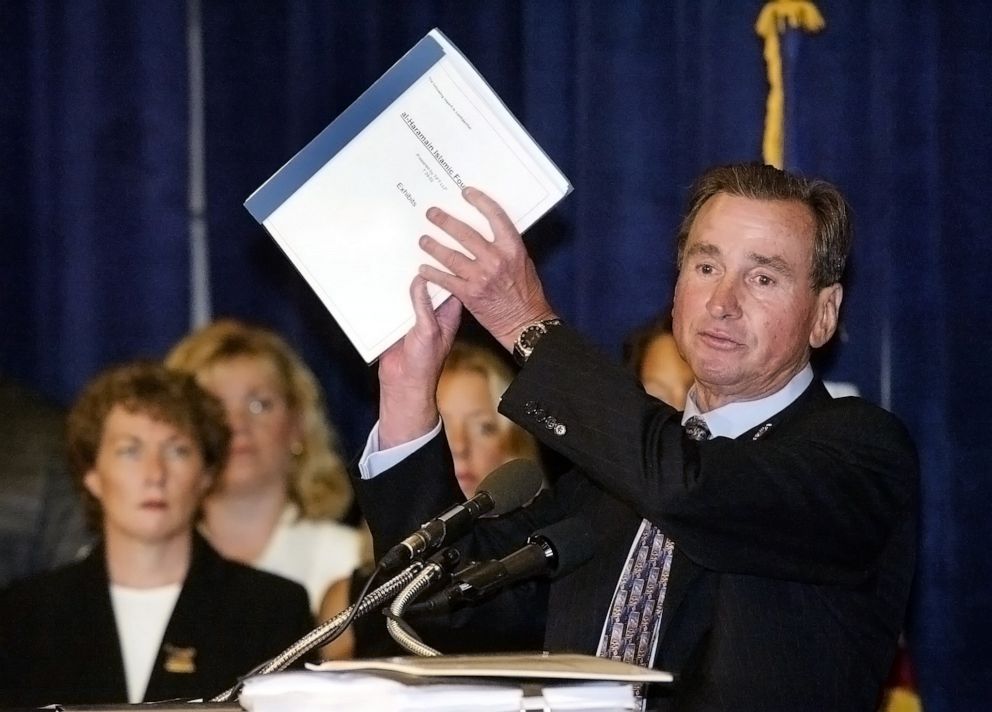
[{"x": 529, "y": 336}]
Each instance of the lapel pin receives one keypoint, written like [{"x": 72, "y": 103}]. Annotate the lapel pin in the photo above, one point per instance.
[
  {"x": 179, "y": 660},
  {"x": 762, "y": 430}
]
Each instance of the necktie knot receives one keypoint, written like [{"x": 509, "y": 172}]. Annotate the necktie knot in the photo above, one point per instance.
[{"x": 696, "y": 429}]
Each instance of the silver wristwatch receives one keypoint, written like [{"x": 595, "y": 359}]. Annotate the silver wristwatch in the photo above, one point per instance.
[{"x": 528, "y": 338}]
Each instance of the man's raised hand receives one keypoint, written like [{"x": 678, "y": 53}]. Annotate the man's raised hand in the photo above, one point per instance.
[{"x": 497, "y": 281}]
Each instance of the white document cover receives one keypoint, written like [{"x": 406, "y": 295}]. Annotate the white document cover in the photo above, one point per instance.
[{"x": 349, "y": 208}]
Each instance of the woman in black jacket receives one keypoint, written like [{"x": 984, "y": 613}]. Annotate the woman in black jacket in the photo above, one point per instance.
[{"x": 152, "y": 613}]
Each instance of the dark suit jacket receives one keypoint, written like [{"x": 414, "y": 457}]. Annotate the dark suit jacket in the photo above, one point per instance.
[
  {"x": 795, "y": 542},
  {"x": 41, "y": 514},
  {"x": 59, "y": 643}
]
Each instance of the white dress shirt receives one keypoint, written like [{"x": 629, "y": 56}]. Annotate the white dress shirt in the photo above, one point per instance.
[{"x": 734, "y": 419}]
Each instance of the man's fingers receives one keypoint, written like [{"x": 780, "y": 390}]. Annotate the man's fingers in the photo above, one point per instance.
[
  {"x": 462, "y": 232},
  {"x": 421, "y": 300},
  {"x": 456, "y": 262},
  {"x": 497, "y": 217},
  {"x": 441, "y": 278},
  {"x": 449, "y": 315}
]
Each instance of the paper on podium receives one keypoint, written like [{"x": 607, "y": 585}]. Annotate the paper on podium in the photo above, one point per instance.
[
  {"x": 542, "y": 666},
  {"x": 349, "y": 208},
  {"x": 482, "y": 683},
  {"x": 358, "y": 692}
]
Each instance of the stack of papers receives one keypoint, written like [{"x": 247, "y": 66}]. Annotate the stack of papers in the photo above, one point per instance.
[
  {"x": 358, "y": 692},
  {"x": 482, "y": 683},
  {"x": 366, "y": 692},
  {"x": 349, "y": 208}
]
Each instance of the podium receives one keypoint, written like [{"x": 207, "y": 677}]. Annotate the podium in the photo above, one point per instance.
[{"x": 481, "y": 683}]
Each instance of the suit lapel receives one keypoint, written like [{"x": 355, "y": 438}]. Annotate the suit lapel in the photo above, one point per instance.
[
  {"x": 177, "y": 666},
  {"x": 684, "y": 572},
  {"x": 814, "y": 394},
  {"x": 103, "y": 660}
]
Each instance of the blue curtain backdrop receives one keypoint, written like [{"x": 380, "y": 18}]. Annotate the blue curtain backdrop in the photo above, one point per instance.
[
  {"x": 93, "y": 165},
  {"x": 631, "y": 99}
]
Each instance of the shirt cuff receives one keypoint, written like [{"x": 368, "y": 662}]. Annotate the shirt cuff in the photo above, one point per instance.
[{"x": 374, "y": 462}]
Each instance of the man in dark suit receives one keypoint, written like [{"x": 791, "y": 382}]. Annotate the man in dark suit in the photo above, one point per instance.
[{"x": 759, "y": 545}]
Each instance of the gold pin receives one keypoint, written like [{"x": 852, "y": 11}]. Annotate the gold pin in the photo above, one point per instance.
[{"x": 179, "y": 660}]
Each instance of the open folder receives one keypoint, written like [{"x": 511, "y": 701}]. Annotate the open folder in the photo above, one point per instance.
[{"x": 349, "y": 208}]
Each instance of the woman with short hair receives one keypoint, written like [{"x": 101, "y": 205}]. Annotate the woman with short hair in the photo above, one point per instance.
[{"x": 153, "y": 612}]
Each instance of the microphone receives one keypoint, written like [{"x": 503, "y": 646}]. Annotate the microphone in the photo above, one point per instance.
[
  {"x": 506, "y": 488},
  {"x": 554, "y": 551}
]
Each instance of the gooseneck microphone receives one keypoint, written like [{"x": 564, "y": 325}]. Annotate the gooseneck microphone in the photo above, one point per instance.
[
  {"x": 554, "y": 551},
  {"x": 506, "y": 488}
]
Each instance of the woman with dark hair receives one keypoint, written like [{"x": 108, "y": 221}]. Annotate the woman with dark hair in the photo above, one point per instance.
[{"x": 153, "y": 612}]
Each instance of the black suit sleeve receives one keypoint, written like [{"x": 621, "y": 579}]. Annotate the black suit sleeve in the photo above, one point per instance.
[
  {"x": 815, "y": 500},
  {"x": 396, "y": 502},
  {"x": 399, "y": 500}
]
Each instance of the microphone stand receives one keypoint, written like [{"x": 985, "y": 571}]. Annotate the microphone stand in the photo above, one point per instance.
[
  {"x": 432, "y": 571},
  {"x": 330, "y": 628}
]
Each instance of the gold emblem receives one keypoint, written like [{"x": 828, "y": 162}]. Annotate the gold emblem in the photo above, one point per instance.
[{"x": 179, "y": 660}]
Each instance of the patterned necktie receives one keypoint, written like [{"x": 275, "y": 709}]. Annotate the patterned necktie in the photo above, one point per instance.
[
  {"x": 696, "y": 429},
  {"x": 633, "y": 621}
]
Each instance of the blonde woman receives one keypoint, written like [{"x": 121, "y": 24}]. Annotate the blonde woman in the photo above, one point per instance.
[
  {"x": 284, "y": 487},
  {"x": 480, "y": 438}
]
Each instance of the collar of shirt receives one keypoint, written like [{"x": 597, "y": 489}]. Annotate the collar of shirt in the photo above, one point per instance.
[{"x": 734, "y": 419}]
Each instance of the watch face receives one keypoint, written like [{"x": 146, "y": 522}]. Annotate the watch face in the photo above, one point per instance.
[{"x": 530, "y": 335}]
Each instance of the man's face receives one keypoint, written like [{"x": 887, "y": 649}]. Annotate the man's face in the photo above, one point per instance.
[{"x": 745, "y": 311}]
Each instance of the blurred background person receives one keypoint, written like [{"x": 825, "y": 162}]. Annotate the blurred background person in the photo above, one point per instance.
[
  {"x": 153, "y": 612},
  {"x": 481, "y": 439},
  {"x": 278, "y": 500},
  {"x": 468, "y": 393},
  {"x": 900, "y": 693},
  {"x": 41, "y": 519},
  {"x": 650, "y": 352}
]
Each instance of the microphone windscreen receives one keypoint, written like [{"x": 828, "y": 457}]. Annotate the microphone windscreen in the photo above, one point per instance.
[
  {"x": 512, "y": 485},
  {"x": 571, "y": 540}
]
